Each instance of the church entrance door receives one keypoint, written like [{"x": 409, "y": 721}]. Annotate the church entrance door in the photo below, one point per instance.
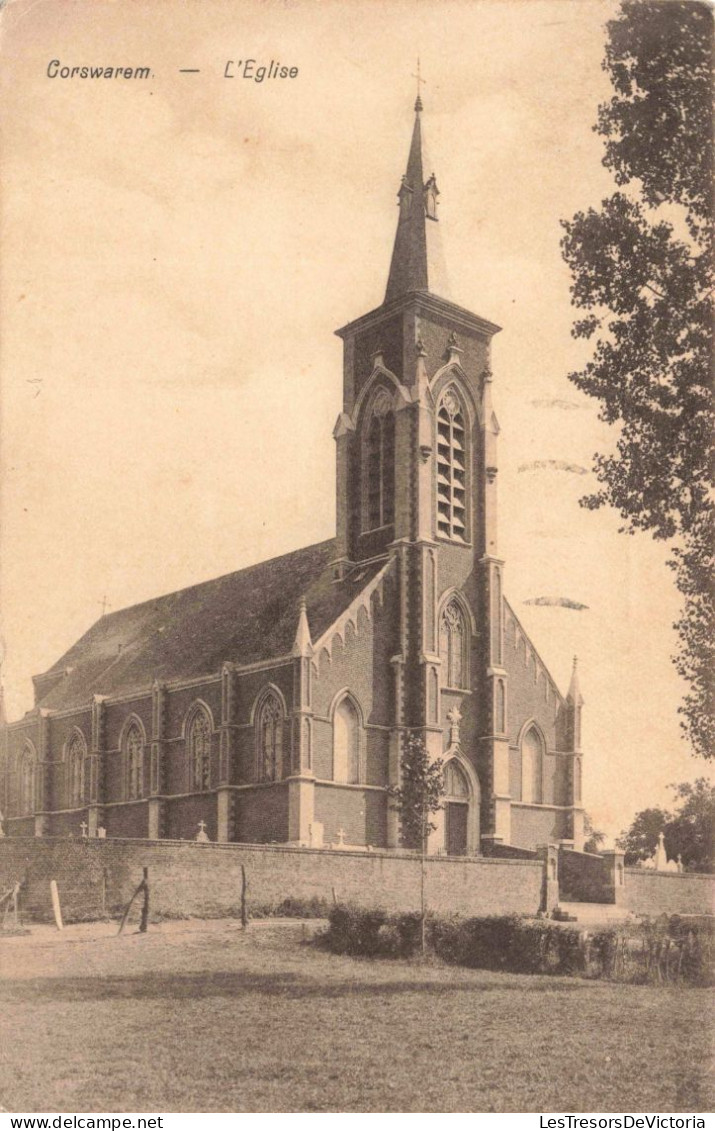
[{"x": 456, "y": 828}]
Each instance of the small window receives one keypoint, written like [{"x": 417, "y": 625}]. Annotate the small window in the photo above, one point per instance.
[
  {"x": 134, "y": 759},
  {"x": 76, "y": 754},
  {"x": 451, "y": 469},
  {"x": 269, "y": 739},
  {"x": 200, "y": 750},
  {"x": 346, "y": 742}
]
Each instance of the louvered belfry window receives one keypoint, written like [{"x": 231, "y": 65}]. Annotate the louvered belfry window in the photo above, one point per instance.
[
  {"x": 451, "y": 470},
  {"x": 381, "y": 464}
]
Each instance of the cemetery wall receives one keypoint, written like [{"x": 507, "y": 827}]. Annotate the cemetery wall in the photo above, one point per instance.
[
  {"x": 648, "y": 892},
  {"x": 97, "y": 877}
]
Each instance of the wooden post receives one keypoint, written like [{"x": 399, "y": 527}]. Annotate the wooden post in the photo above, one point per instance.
[
  {"x": 56, "y": 904},
  {"x": 143, "y": 887},
  {"x": 244, "y": 915},
  {"x": 145, "y": 909}
]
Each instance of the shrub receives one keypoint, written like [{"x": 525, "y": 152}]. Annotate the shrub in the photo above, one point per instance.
[
  {"x": 652, "y": 951},
  {"x": 354, "y": 930}
]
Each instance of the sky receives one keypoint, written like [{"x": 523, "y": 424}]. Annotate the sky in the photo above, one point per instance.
[{"x": 178, "y": 252}]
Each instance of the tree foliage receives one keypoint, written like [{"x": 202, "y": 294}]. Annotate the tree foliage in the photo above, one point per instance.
[
  {"x": 419, "y": 795},
  {"x": 688, "y": 830},
  {"x": 594, "y": 838},
  {"x": 642, "y": 274}
]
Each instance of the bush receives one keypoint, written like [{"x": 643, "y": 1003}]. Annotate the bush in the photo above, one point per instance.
[
  {"x": 652, "y": 951},
  {"x": 679, "y": 949}
]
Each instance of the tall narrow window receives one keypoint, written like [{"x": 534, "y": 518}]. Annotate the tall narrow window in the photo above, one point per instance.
[
  {"x": 453, "y": 646},
  {"x": 380, "y": 464},
  {"x": 200, "y": 750},
  {"x": 346, "y": 742},
  {"x": 532, "y": 766},
  {"x": 269, "y": 739},
  {"x": 451, "y": 470},
  {"x": 134, "y": 760},
  {"x": 27, "y": 782},
  {"x": 76, "y": 753}
]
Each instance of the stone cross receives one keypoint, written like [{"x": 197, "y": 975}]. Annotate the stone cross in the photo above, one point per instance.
[
  {"x": 202, "y": 835},
  {"x": 341, "y": 838},
  {"x": 420, "y": 80},
  {"x": 84, "y": 828},
  {"x": 660, "y": 856}
]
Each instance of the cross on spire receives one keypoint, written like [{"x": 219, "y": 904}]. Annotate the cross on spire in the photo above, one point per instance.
[{"x": 420, "y": 82}]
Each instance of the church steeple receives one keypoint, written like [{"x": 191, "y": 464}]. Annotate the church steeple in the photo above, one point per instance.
[{"x": 417, "y": 263}]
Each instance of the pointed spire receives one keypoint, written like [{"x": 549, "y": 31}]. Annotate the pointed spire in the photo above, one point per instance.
[
  {"x": 574, "y": 696},
  {"x": 417, "y": 262},
  {"x": 303, "y": 645}
]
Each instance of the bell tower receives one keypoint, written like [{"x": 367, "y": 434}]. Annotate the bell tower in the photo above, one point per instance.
[{"x": 416, "y": 480}]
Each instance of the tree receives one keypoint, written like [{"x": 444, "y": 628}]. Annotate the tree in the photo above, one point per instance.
[
  {"x": 642, "y": 271},
  {"x": 641, "y": 839},
  {"x": 416, "y": 800},
  {"x": 691, "y": 833},
  {"x": 594, "y": 838},
  {"x": 688, "y": 830}
]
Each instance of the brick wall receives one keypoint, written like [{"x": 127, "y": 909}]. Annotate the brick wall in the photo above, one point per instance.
[
  {"x": 538, "y": 824},
  {"x": 672, "y": 893},
  {"x": 205, "y": 879}
]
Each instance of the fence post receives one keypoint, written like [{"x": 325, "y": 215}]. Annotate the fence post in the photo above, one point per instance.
[{"x": 549, "y": 856}]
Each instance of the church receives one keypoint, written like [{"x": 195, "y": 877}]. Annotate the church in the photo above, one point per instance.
[{"x": 271, "y": 705}]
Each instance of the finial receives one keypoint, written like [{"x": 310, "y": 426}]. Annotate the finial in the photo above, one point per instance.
[
  {"x": 302, "y": 645},
  {"x": 574, "y": 693},
  {"x": 420, "y": 81}
]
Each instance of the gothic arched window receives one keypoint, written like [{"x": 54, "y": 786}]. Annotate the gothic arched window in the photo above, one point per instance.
[
  {"x": 199, "y": 742},
  {"x": 346, "y": 742},
  {"x": 269, "y": 739},
  {"x": 26, "y": 785},
  {"x": 76, "y": 754},
  {"x": 451, "y": 469},
  {"x": 379, "y": 473},
  {"x": 532, "y": 766},
  {"x": 453, "y": 640},
  {"x": 455, "y": 782},
  {"x": 134, "y": 762}
]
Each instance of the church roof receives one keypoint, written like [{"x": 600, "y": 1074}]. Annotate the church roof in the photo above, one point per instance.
[{"x": 243, "y": 617}]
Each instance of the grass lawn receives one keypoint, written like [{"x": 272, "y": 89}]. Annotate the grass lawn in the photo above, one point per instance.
[{"x": 204, "y": 1017}]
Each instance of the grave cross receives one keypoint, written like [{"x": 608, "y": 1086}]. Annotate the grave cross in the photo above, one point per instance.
[{"x": 84, "y": 826}]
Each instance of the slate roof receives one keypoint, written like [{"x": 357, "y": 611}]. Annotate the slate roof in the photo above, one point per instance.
[{"x": 243, "y": 617}]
